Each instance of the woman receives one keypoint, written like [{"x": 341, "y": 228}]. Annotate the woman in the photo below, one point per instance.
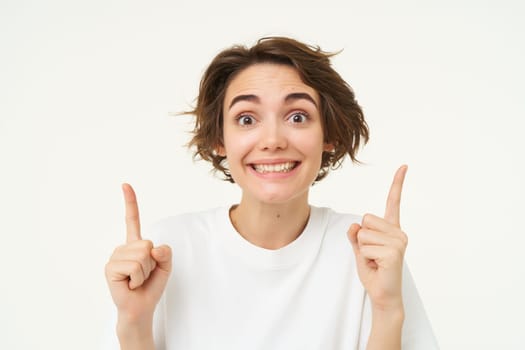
[{"x": 272, "y": 272}]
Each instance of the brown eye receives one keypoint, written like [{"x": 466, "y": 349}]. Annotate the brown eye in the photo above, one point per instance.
[
  {"x": 298, "y": 118},
  {"x": 246, "y": 120}
]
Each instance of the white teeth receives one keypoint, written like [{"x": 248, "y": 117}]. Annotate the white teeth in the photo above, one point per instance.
[{"x": 274, "y": 168}]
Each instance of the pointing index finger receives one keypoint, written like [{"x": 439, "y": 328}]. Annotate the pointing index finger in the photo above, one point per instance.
[
  {"x": 132, "y": 214},
  {"x": 393, "y": 202}
]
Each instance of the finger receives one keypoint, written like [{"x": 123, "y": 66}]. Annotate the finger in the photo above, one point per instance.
[
  {"x": 393, "y": 202},
  {"x": 128, "y": 271},
  {"x": 352, "y": 233},
  {"x": 138, "y": 251},
  {"x": 160, "y": 275},
  {"x": 352, "y": 237},
  {"x": 374, "y": 222},
  {"x": 136, "y": 275},
  {"x": 371, "y": 237},
  {"x": 132, "y": 214},
  {"x": 162, "y": 256},
  {"x": 382, "y": 255}
]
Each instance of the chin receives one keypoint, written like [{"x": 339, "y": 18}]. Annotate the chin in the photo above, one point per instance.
[{"x": 277, "y": 196}]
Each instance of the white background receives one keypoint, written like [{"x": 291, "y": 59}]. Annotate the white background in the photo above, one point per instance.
[{"x": 86, "y": 92}]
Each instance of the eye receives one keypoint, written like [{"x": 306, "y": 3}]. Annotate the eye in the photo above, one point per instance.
[
  {"x": 245, "y": 120},
  {"x": 298, "y": 118}
]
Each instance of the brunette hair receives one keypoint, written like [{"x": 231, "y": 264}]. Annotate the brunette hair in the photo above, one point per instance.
[{"x": 343, "y": 122}]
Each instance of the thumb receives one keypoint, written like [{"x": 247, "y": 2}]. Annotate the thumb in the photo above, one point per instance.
[
  {"x": 162, "y": 256},
  {"x": 352, "y": 236}
]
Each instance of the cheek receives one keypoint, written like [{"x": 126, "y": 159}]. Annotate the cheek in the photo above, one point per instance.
[
  {"x": 311, "y": 144},
  {"x": 238, "y": 143}
]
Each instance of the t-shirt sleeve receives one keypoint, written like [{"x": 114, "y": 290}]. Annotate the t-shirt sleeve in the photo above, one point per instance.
[{"x": 417, "y": 332}]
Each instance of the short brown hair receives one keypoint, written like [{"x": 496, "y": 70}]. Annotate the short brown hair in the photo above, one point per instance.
[{"x": 343, "y": 122}]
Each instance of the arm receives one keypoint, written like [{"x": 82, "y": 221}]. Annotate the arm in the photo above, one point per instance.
[{"x": 386, "y": 329}]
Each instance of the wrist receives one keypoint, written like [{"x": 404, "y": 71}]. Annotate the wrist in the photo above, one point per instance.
[
  {"x": 392, "y": 312},
  {"x": 385, "y": 306},
  {"x": 391, "y": 316},
  {"x": 130, "y": 327}
]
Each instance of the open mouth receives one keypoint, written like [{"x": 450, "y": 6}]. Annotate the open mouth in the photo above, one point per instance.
[{"x": 275, "y": 168}]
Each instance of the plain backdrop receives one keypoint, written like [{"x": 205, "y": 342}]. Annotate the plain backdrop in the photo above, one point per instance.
[{"x": 87, "y": 92}]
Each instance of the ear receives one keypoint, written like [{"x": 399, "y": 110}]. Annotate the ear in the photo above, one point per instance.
[{"x": 328, "y": 147}]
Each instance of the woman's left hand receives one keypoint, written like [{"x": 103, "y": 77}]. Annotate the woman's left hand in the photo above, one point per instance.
[{"x": 379, "y": 245}]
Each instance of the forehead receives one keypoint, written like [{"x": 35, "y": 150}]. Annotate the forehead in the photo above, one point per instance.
[{"x": 267, "y": 79}]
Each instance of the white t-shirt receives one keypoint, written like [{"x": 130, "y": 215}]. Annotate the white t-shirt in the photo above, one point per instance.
[{"x": 226, "y": 293}]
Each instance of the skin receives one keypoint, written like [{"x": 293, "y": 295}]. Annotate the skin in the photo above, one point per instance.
[
  {"x": 270, "y": 116},
  {"x": 272, "y": 127}
]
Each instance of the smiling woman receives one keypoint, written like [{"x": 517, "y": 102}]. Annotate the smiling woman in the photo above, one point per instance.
[
  {"x": 342, "y": 119},
  {"x": 273, "y": 271}
]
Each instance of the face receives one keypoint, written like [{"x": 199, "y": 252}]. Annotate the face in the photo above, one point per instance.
[{"x": 273, "y": 137}]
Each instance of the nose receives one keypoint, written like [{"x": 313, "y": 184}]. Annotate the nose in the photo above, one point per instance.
[{"x": 273, "y": 136}]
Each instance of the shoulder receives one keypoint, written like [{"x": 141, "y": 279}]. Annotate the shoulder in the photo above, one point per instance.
[
  {"x": 184, "y": 226},
  {"x": 335, "y": 220},
  {"x": 334, "y": 226}
]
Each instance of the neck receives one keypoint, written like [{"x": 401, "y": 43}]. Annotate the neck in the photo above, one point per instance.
[{"x": 269, "y": 225}]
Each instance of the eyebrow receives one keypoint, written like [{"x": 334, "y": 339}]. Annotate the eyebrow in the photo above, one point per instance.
[{"x": 290, "y": 97}]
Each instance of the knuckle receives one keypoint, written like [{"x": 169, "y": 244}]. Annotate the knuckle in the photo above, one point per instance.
[
  {"x": 117, "y": 252},
  {"x": 404, "y": 238},
  {"x": 366, "y": 219},
  {"x": 361, "y": 234},
  {"x": 136, "y": 269},
  {"x": 118, "y": 249},
  {"x": 400, "y": 253},
  {"x": 131, "y": 218},
  {"x": 144, "y": 259},
  {"x": 144, "y": 254},
  {"x": 108, "y": 268},
  {"x": 146, "y": 244}
]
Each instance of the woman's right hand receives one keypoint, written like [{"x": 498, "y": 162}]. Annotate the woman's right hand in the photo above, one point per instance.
[{"x": 137, "y": 272}]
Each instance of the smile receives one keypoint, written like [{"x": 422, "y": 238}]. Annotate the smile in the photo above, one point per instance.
[{"x": 274, "y": 168}]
